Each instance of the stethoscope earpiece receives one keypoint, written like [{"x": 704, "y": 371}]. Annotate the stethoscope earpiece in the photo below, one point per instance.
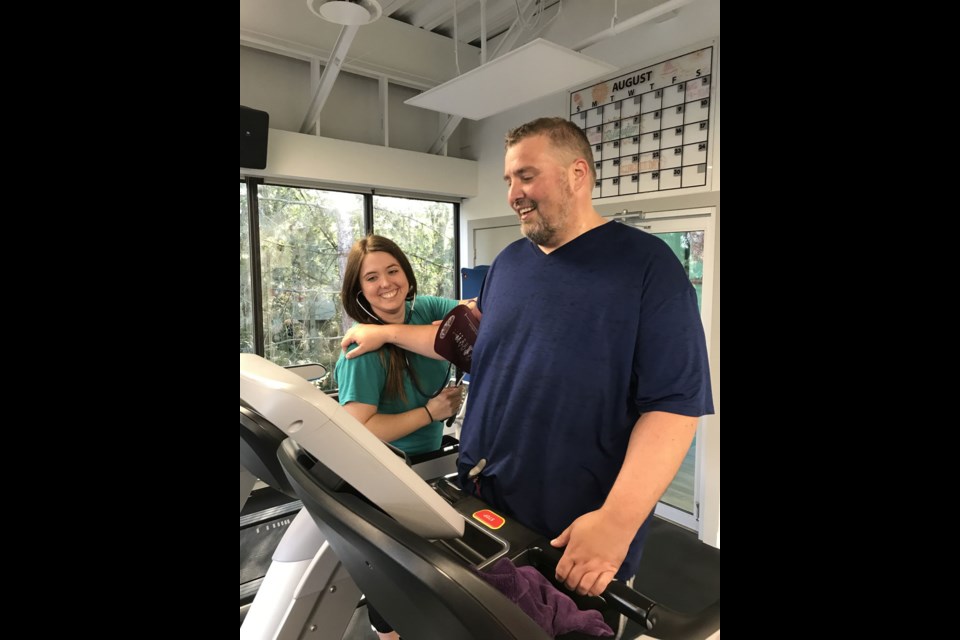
[{"x": 369, "y": 313}]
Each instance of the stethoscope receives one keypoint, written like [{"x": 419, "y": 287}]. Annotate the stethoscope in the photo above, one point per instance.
[{"x": 406, "y": 359}]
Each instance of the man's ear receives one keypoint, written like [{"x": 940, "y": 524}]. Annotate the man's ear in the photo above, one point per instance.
[{"x": 580, "y": 172}]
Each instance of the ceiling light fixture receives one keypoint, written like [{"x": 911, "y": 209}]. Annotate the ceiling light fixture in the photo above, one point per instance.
[
  {"x": 354, "y": 12},
  {"x": 535, "y": 70}
]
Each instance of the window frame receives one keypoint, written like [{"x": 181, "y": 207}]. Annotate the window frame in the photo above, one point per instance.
[{"x": 253, "y": 262}]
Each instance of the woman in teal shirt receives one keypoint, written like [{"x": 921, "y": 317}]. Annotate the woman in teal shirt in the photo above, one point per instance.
[{"x": 393, "y": 392}]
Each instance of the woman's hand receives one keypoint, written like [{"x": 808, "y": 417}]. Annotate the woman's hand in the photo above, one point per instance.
[
  {"x": 471, "y": 303},
  {"x": 447, "y": 403}
]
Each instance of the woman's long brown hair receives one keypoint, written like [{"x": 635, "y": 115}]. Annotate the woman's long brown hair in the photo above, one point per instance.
[{"x": 353, "y": 301}]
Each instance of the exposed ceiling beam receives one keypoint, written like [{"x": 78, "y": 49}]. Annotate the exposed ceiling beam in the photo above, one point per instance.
[
  {"x": 513, "y": 33},
  {"x": 452, "y": 123},
  {"x": 437, "y": 19},
  {"x": 390, "y": 6},
  {"x": 483, "y": 31},
  {"x": 630, "y": 23},
  {"x": 367, "y": 68},
  {"x": 330, "y": 73},
  {"x": 383, "y": 88},
  {"x": 469, "y": 26},
  {"x": 405, "y": 54},
  {"x": 447, "y": 16}
]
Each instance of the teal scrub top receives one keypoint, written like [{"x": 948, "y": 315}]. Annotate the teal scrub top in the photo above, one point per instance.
[{"x": 363, "y": 379}]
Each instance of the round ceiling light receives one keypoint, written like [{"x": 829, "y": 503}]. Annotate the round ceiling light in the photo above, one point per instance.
[{"x": 354, "y": 12}]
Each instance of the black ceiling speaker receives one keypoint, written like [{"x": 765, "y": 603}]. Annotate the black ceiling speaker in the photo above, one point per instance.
[{"x": 253, "y": 138}]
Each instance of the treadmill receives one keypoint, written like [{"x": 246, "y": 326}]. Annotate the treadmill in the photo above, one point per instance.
[{"x": 415, "y": 548}]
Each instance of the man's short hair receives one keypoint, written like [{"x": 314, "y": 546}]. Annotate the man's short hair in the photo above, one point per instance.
[{"x": 564, "y": 135}]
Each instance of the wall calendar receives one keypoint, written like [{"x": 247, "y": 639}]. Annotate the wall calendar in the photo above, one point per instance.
[{"x": 650, "y": 129}]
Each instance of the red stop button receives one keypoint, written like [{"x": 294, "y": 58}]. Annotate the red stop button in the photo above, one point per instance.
[{"x": 489, "y": 518}]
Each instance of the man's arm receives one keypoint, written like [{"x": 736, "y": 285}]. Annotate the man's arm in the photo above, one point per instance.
[
  {"x": 597, "y": 542},
  {"x": 412, "y": 337},
  {"x": 417, "y": 338}
]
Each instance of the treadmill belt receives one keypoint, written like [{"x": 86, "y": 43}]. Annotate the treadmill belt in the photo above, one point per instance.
[
  {"x": 263, "y": 521},
  {"x": 257, "y": 543},
  {"x": 677, "y": 570}
]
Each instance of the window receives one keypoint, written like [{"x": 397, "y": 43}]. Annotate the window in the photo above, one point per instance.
[
  {"x": 246, "y": 293},
  {"x": 305, "y": 236},
  {"x": 425, "y": 231}
]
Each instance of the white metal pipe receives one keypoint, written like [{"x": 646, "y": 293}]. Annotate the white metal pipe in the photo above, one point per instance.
[{"x": 630, "y": 23}]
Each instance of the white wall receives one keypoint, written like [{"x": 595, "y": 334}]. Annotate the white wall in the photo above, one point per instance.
[
  {"x": 276, "y": 84},
  {"x": 298, "y": 158},
  {"x": 281, "y": 86}
]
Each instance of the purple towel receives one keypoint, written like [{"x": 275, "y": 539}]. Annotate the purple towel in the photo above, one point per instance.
[{"x": 539, "y": 599}]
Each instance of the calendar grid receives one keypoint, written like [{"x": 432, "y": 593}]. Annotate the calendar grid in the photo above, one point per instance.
[{"x": 650, "y": 129}]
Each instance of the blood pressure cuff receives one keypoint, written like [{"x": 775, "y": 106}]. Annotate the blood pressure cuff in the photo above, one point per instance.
[{"x": 456, "y": 337}]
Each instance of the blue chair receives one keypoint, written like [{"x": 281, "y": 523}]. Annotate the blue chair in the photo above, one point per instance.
[{"x": 472, "y": 280}]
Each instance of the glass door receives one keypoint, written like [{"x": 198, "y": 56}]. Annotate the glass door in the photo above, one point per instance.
[{"x": 689, "y": 233}]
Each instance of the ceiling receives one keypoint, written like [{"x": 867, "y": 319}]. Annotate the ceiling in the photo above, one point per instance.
[
  {"x": 436, "y": 16},
  {"x": 412, "y": 43}
]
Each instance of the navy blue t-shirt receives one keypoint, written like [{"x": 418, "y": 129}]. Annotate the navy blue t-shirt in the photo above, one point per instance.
[{"x": 573, "y": 346}]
